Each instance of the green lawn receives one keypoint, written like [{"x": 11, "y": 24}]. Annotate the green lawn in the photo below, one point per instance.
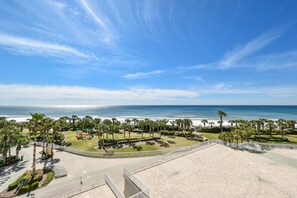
[
  {"x": 276, "y": 139},
  {"x": 210, "y": 136},
  {"x": 91, "y": 145}
]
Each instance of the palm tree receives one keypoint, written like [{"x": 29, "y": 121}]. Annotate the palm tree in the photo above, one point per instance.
[
  {"x": 74, "y": 118},
  {"x": 221, "y": 114},
  {"x": 211, "y": 124},
  {"x": 188, "y": 123},
  {"x": 57, "y": 126},
  {"x": 204, "y": 121},
  {"x": 124, "y": 126},
  {"x": 130, "y": 129},
  {"x": 291, "y": 124},
  {"x": 142, "y": 124},
  {"x": 172, "y": 122},
  {"x": 237, "y": 134},
  {"x": 47, "y": 123},
  {"x": 282, "y": 124},
  {"x": 270, "y": 125},
  {"x": 35, "y": 123},
  {"x": 248, "y": 132},
  {"x": 231, "y": 122},
  {"x": 135, "y": 121}
]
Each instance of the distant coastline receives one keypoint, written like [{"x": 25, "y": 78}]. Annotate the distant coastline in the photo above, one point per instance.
[{"x": 171, "y": 112}]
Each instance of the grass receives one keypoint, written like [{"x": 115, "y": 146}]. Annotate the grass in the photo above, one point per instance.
[
  {"x": 165, "y": 142},
  {"x": 210, "y": 136},
  {"x": 276, "y": 139}
]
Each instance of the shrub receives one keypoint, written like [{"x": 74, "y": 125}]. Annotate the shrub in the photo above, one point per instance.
[
  {"x": 49, "y": 177},
  {"x": 168, "y": 133},
  {"x": 35, "y": 185},
  {"x": 28, "y": 178},
  {"x": 16, "y": 183},
  {"x": 38, "y": 176},
  {"x": 24, "y": 189},
  {"x": 12, "y": 186}
]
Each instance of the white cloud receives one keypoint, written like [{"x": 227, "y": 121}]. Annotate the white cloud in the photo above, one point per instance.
[
  {"x": 27, "y": 46},
  {"x": 79, "y": 94},
  {"x": 244, "y": 56},
  {"x": 140, "y": 75},
  {"x": 232, "y": 58},
  {"x": 196, "y": 78},
  {"x": 108, "y": 36},
  {"x": 265, "y": 91}
]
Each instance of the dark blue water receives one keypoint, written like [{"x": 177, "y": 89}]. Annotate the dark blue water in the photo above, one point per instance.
[{"x": 171, "y": 112}]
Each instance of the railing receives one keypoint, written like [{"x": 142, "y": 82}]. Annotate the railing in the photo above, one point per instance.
[
  {"x": 113, "y": 187},
  {"x": 144, "y": 190},
  {"x": 69, "y": 189}
]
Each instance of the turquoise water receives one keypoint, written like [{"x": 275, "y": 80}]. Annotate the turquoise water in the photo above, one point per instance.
[{"x": 170, "y": 112}]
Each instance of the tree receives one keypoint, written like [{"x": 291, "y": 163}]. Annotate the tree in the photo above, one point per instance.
[
  {"x": 47, "y": 125},
  {"x": 291, "y": 124},
  {"x": 237, "y": 134},
  {"x": 35, "y": 123},
  {"x": 135, "y": 122},
  {"x": 130, "y": 129},
  {"x": 74, "y": 118},
  {"x": 172, "y": 122},
  {"x": 248, "y": 132},
  {"x": 142, "y": 124},
  {"x": 211, "y": 124},
  {"x": 221, "y": 114},
  {"x": 282, "y": 124},
  {"x": 204, "y": 121},
  {"x": 270, "y": 125}
]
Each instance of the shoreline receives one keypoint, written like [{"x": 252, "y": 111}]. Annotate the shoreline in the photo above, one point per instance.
[{"x": 196, "y": 121}]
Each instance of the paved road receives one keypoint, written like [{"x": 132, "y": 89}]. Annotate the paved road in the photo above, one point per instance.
[{"x": 11, "y": 173}]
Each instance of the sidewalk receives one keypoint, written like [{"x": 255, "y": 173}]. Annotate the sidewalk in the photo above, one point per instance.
[{"x": 9, "y": 174}]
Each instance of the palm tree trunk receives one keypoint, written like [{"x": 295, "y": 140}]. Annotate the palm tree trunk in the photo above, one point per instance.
[
  {"x": 53, "y": 139},
  {"x": 221, "y": 123},
  {"x": 34, "y": 154},
  {"x": 43, "y": 144},
  {"x": 46, "y": 144},
  {"x": 4, "y": 156}
]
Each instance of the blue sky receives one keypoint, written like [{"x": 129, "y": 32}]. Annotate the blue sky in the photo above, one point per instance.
[{"x": 148, "y": 52}]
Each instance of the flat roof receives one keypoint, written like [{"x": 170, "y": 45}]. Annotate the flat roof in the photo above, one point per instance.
[{"x": 219, "y": 171}]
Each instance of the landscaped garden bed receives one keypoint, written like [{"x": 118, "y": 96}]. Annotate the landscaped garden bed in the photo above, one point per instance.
[{"x": 28, "y": 182}]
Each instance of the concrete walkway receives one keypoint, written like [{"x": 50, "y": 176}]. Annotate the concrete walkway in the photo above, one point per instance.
[
  {"x": 280, "y": 159},
  {"x": 9, "y": 174}
]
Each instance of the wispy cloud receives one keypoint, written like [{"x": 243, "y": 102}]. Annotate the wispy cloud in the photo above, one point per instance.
[
  {"x": 244, "y": 56},
  {"x": 84, "y": 94},
  {"x": 108, "y": 36},
  {"x": 195, "y": 78},
  {"x": 265, "y": 91},
  {"x": 28, "y": 47},
  {"x": 233, "y": 57},
  {"x": 140, "y": 75}
]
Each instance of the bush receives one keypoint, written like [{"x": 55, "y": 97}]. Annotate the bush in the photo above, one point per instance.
[
  {"x": 38, "y": 176},
  {"x": 66, "y": 144},
  {"x": 16, "y": 183},
  {"x": 28, "y": 178},
  {"x": 12, "y": 186},
  {"x": 49, "y": 177},
  {"x": 167, "y": 133},
  {"x": 34, "y": 185},
  {"x": 24, "y": 189}
]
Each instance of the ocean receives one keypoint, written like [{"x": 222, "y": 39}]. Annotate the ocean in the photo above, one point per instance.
[{"x": 171, "y": 112}]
